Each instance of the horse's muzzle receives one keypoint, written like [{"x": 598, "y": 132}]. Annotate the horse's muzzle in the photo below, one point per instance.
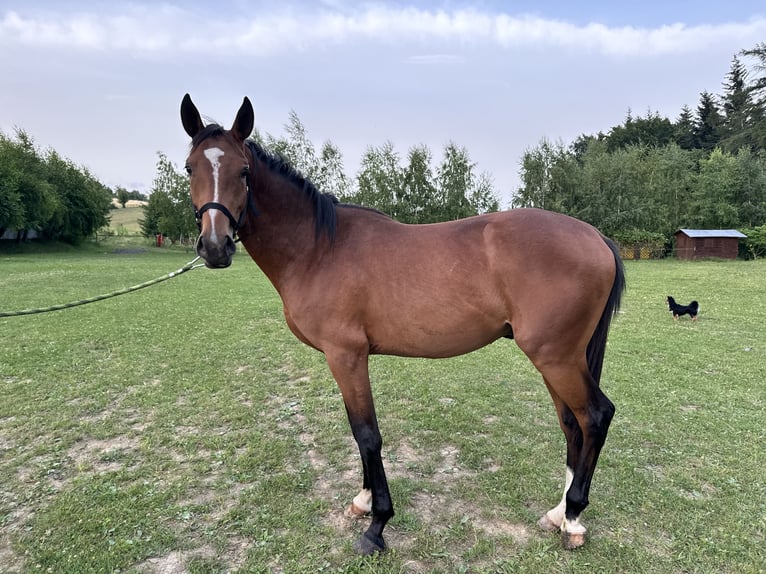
[{"x": 216, "y": 254}]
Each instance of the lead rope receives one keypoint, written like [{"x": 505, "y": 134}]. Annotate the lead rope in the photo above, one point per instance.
[{"x": 188, "y": 267}]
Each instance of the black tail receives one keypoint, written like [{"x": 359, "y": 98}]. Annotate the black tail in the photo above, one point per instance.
[{"x": 597, "y": 344}]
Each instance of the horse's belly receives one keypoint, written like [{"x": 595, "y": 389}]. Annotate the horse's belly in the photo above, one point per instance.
[{"x": 410, "y": 337}]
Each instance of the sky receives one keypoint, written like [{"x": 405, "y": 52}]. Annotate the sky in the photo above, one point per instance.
[{"x": 101, "y": 82}]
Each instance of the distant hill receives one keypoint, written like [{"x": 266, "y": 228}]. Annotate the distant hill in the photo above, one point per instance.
[
  {"x": 127, "y": 217},
  {"x": 129, "y": 203}
]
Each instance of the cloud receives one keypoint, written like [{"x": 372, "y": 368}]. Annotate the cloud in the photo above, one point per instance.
[
  {"x": 165, "y": 29},
  {"x": 433, "y": 59}
]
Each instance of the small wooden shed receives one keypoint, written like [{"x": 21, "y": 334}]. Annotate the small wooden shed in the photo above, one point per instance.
[{"x": 698, "y": 243}]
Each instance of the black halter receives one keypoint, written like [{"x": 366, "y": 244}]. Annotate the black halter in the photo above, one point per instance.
[{"x": 235, "y": 223}]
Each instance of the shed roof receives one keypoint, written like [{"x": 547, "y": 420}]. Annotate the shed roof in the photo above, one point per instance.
[{"x": 711, "y": 233}]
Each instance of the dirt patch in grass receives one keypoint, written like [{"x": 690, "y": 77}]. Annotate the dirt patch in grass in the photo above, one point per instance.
[
  {"x": 175, "y": 562},
  {"x": 10, "y": 562},
  {"x": 497, "y": 528},
  {"x": 102, "y": 456},
  {"x": 11, "y": 523}
]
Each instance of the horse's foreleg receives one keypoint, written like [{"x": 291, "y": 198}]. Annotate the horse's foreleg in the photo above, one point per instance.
[{"x": 350, "y": 372}]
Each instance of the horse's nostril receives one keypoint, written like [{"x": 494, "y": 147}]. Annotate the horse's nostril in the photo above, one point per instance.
[{"x": 231, "y": 247}]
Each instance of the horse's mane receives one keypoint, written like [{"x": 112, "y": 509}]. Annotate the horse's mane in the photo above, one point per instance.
[{"x": 324, "y": 203}]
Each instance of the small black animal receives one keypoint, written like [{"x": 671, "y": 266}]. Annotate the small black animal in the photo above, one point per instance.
[{"x": 678, "y": 310}]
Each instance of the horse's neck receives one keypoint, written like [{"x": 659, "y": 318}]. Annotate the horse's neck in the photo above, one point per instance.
[{"x": 281, "y": 235}]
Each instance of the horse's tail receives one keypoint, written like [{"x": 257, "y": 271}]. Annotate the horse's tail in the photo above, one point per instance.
[{"x": 597, "y": 344}]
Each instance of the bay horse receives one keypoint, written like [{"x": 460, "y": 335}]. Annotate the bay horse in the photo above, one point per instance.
[{"x": 354, "y": 282}]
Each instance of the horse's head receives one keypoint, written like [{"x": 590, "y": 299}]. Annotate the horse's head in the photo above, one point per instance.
[{"x": 219, "y": 170}]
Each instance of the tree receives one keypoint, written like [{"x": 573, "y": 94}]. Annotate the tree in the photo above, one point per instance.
[
  {"x": 759, "y": 53},
  {"x": 329, "y": 175},
  {"x": 123, "y": 196},
  {"x": 418, "y": 198},
  {"x": 48, "y": 193},
  {"x": 11, "y": 206},
  {"x": 543, "y": 171},
  {"x": 380, "y": 180},
  {"x": 482, "y": 195},
  {"x": 755, "y": 244},
  {"x": 31, "y": 196},
  {"x": 707, "y": 123},
  {"x": 673, "y": 182},
  {"x": 416, "y": 193},
  {"x": 651, "y": 130},
  {"x": 714, "y": 193},
  {"x": 750, "y": 187},
  {"x": 169, "y": 211},
  {"x": 455, "y": 181},
  {"x": 460, "y": 192},
  {"x": 757, "y": 89},
  {"x": 684, "y": 129},
  {"x": 82, "y": 201},
  {"x": 324, "y": 170},
  {"x": 737, "y": 105}
]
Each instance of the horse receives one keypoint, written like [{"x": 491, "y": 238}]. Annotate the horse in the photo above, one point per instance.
[{"x": 548, "y": 281}]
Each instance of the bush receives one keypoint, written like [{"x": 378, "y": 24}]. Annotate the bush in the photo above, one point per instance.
[
  {"x": 755, "y": 245},
  {"x": 640, "y": 244}
]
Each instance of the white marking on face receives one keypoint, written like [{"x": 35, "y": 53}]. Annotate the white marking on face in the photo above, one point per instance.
[{"x": 213, "y": 154}]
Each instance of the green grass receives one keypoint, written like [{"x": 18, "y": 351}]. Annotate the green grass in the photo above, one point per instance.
[
  {"x": 126, "y": 220},
  {"x": 184, "y": 426}
]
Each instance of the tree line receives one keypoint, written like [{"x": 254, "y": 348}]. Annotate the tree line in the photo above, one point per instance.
[
  {"x": 650, "y": 176},
  {"x": 47, "y": 193},
  {"x": 415, "y": 189}
]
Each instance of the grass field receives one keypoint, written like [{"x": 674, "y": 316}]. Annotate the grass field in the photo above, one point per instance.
[
  {"x": 182, "y": 428},
  {"x": 125, "y": 220}
]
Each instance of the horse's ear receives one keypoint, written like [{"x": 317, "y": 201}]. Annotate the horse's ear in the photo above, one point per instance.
[
  {"x": 190, "y": 117},
  {"x": 245, "y": 120}
]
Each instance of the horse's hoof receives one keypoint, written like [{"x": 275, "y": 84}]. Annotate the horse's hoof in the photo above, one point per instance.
[
  {"x": 572, "y": 540},
  {"x": 353, "y": 511},
  {"x": 368, "y": 545},
  {"x": 547, "y": 524}
]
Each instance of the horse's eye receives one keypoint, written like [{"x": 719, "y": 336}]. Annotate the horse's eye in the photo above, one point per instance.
[
  {"x": 188, "y": 169},
  {"x": 245, "y": 172}
]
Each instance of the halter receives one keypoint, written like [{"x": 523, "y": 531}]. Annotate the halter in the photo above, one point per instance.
[{"x": 235, "y": 223}]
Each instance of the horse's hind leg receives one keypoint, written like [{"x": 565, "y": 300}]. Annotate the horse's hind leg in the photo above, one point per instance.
[
  {"x": 553, "y": 519},
  {"x": 584, "y": 414}
]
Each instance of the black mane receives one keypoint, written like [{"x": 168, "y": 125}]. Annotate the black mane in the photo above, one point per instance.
[{"x": 324, "y": 203}]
